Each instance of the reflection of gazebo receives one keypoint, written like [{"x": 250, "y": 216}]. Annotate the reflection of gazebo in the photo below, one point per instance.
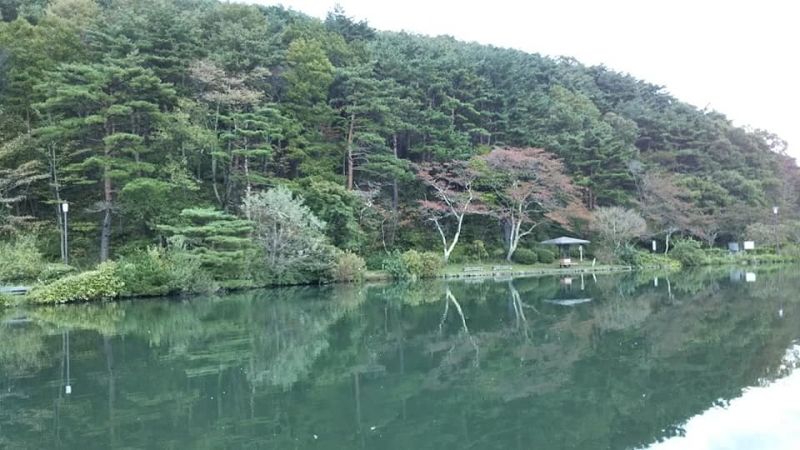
[{"x": 563, "y": 243}]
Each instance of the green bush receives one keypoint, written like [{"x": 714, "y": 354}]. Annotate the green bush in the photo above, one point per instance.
[
  {"x": 412, "y": 264},
  {"x": 432, "y": 265},
  {"x": 498, "y": 253},
  {"x": 376, "y": 261},
  {"x": 188, "y": 276},
  {"x": 459, "y": 255},
  {"x": 640, "y": 258},
  {"x": 791, "y": 251},
  {"x": 157, "y": 271},
  {"x": 396, "y": 266},
  {"x": 688, "y": 252},
  {"x": 20, "y": 259},
  {"x": 145, "y": 272},
  {"x": 348, "y": 267},
  {"x": 98, "y": 284},
  {"x": 6, "y": 300},
  {"x": 524, "y": 256},
  {"x": 55, "y": 271},
  {"x": 545, "y": 256},
  {"x": 476, "y": 251}
]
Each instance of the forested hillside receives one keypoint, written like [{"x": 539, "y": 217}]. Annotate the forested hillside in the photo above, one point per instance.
[{"x": 199, "y": 125}]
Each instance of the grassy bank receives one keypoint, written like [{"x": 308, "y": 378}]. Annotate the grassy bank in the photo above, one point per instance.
[{"x": 158, "y": 273}]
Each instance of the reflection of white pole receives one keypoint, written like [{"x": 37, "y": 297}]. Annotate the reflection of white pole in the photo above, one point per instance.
[
  {"x": 777, "y": 241},
  {"x": 68, "y": 387}
]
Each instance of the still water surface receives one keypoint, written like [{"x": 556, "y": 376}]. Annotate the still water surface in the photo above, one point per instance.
[{"x": 695, "y": 360}]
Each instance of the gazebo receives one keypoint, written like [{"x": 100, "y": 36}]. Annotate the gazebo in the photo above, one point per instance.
[{"x": 563, "y": 243}]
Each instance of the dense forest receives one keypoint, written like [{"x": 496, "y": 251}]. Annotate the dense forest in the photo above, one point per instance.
[{"x": 235, "y": 133}]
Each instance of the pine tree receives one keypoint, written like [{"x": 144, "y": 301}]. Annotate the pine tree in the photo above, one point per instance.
[
  {"x": 218, "y": 240},
  {"x": 107, "y": 115}
]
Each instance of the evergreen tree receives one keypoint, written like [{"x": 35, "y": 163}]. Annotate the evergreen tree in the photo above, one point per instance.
[
  {"x": 218, "y": 240},
  {"x": 107, "y": 115}
]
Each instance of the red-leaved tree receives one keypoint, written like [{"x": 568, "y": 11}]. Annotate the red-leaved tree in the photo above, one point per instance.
[
  {"x": 452, "y": 199},
  {"x": 530, "y": 187},
  {"x": 667, "y": 206}
]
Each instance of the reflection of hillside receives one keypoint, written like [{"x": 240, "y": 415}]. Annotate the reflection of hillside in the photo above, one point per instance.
[
  {"x": 423, "y": 365},
  {"x": 644, "y": 334}
]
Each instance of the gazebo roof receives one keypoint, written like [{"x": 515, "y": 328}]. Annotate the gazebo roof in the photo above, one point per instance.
[{"x": 563, "y": 240}]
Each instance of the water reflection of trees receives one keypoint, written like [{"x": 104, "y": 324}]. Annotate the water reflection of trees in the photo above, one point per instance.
[{"x": 430, "y": 365}]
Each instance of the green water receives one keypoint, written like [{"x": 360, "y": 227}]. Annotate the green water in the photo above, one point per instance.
[{"x": 615, "y": 362}]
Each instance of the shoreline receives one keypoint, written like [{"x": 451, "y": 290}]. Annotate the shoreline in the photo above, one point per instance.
[
  {"x": 544, "y": 271},
  {"x": 380, "y": 277}
]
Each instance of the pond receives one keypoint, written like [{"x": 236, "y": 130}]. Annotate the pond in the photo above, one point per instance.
[{"x": 640, "y": 360}]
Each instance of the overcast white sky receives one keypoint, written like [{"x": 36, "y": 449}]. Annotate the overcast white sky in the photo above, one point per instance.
[
  {"x": 763, "y": 418},
  {"x": 738, "y": 57}
]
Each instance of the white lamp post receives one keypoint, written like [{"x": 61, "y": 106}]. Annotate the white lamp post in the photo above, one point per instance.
[{"x": 65, "y": 210}]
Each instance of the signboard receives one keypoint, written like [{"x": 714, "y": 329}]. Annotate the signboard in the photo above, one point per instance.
[
  {"x": 749, "y": 245},
  {"x": 750, "y": 277},
  {"x": 733, "y": 247}
]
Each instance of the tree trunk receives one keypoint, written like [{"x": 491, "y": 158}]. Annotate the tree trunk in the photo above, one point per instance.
[
  {"x": 214, "y": 181},
  {"x": 513, "y": 238},
  {"x": 395, "y": 193},
  {"x": 105, "y": 230},
  {"x": 512, "y": 247},
  {"x": 666, "y": 247},
  {"x": 515, "y": 233},
  {"x": 448, "y": 249},
  {"x": 248, "y": 185},
  {"x": 350, "y": 152},
  {"x": 57, "y": 194}
]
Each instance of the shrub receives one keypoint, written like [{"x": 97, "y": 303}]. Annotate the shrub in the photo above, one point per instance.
[
  {"x": 791, "y": 252},
  {"x": 640, "y": 258},
  {"x": 459, "y": 255},
  {"x": 145, "y": 272},
  {"x": 545, "y": 256},
  {"x": 157, "y": 271},
  {"x": 476, "y": 251},
  {"x": 376, "y": 261},
  {"x": 432, "y": 265},
  {"x": 498, "y": 253},
  {"x": 688, "y": 253},
  {"x": 54, "y": 271},
  {"x": 348, "y": 267},
  {"x": 188, "y": 276},
  {"x": 413, "y": 263},
  {"x": 627, "y": 254},
  {"x": 524, "y": 256},
  {"x": 20, "y": 259},
  {"x": 6, "y": 300},
  {"x": 396, "y": 266},
  {"x": 98, "y": 284}
]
